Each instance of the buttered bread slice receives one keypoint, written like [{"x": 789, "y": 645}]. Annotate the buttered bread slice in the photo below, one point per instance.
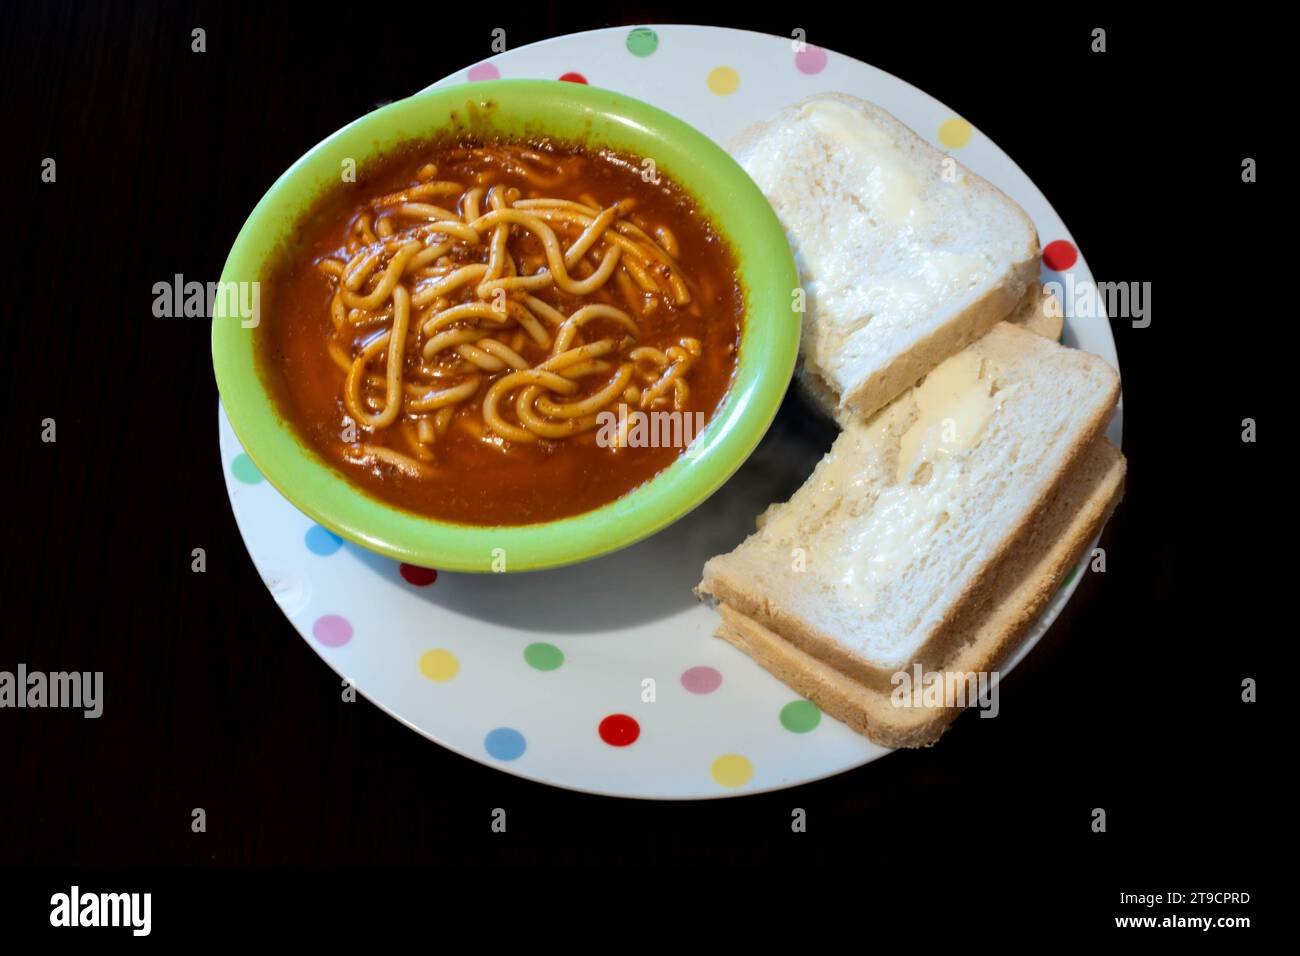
[
  {"x": 903, "y": 528},
  {"x": 905, "y": 256},
  {"x": 1016, "y": 597}
]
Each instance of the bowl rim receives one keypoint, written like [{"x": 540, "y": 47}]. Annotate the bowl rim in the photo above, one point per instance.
[{"x": 567, "y": 112}]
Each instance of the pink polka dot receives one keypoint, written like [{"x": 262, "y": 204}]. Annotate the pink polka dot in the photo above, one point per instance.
[
  {"x": 332, "y": 630},
  {"x": 1060, "y": 255},
  {"x": 420, "y": 577},
  {"x": 483, "y": 71},
  {"x": 811, "y": 60},
  {"x": 701, "y": 680},
  {"x": 573, "y": 78}
]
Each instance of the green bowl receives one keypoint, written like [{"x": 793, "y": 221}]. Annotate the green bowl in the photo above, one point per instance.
[{"x": 521, "y": 108}]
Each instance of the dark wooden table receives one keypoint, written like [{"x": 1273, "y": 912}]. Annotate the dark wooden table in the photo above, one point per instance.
[{"x": 1131, "y": 702}]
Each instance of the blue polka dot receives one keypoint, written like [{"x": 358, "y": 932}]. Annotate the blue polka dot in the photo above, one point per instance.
[
  {"x": 322, "y": 540},
  {"x": 505, "y": 743}
]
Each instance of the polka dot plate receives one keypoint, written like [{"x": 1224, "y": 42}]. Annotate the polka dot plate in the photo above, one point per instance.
[{"x": 605, "y": 677}]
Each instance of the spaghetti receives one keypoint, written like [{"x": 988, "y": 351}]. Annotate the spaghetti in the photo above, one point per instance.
[
  {"x": 442, "y": 291},
  {"x": 488, "y": 304}
]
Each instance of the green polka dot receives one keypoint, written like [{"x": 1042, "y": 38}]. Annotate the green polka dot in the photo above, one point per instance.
[
  {"x": 244, "y": 469},
  {"x": 544, "y": 657},
  {"x": 800, "y": 716},
  {"x": 642, "y": 41}
]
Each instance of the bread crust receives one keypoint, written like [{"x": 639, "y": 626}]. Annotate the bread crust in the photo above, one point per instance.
[
  {"x": 817, "y": 392},
  {"x": 1038, "y": 311},
  {"x": 991, "y": 628}
]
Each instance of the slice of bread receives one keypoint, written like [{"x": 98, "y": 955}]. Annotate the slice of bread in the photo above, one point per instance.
[
  {"x": 904, "y": 525},
  {"x": 1024, "y": 583},
  {"x": 905, "y": 256},
  {"x": 1039, "y": 311}
]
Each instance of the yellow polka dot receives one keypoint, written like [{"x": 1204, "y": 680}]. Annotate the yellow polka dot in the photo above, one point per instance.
[
  {"x": 723, "y": 80},
  {"x": 732, "y": 770},
  {"x": 439, "y": 665},
  {"x": 955, "y": 133}
]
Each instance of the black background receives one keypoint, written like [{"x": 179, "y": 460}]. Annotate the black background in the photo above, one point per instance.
[{"x": 1131, "y": 702}]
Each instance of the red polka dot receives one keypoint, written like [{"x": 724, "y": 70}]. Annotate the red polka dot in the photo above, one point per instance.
[
  {"x": 420, "y": 577},
  {"x": 573, "y": 78},
  {"x": 1060, "y": 255},
  {"x": 619, "y": 730}
]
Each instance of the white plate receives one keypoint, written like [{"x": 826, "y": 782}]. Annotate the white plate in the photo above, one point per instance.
[{"x": 461, "y": 659}]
